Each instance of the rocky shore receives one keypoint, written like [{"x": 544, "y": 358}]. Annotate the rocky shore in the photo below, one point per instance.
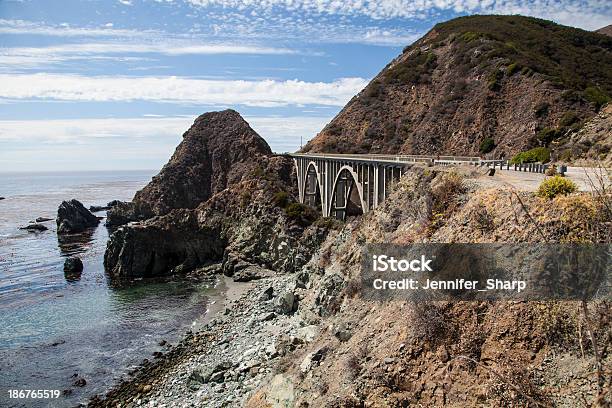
[{"x": 227, "y": 360}]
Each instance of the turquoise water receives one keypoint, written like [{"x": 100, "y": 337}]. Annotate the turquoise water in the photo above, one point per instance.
[{"x": 52, "y": 328}]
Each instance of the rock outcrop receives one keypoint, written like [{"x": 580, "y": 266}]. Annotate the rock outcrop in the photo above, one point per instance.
[
  {"x": 219, "y": 149},
  {"x": 478, "y": 85},
  {"x": 73, "y": 217},
  {"x": 164, "y": 245},
  {"x": 228, "y": 173}
]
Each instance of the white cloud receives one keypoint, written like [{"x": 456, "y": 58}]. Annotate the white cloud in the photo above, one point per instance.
[
  {"x": 35, "y": 57},
  {"x": 79, "y": 144},
  {"x": 588, "y": 14},
  {"x": 63, "y": 30},
  {"x": 264, "y": 93}
]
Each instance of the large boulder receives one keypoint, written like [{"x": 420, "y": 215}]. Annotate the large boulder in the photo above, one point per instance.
[
  {"x": 172, "y": 244},
  {"x": 73, "y": 217}
]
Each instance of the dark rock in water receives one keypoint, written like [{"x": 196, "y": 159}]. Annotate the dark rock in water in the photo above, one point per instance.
[
  {"x": 34, "y": 227},
  {"x": 2, "y": 198},
  {"x": 73, "y": 268},
  {"x": 79, "y": 382},
  {"x": 73, "y": 265},
  {"x": 43, "y": 219},
  {"x": 161, "y": 246},
  {"x": 219, "y": 149},
  {"x": 113, "y": 203},
  {"x": 98, "y": 208},
  {"x": 73, "y": 217}
]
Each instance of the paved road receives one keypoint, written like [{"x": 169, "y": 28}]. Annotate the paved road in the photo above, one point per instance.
[{"x": 530, "y": 181}]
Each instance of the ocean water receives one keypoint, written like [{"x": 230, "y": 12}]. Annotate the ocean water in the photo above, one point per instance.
[{"x": 51, "y": 328}]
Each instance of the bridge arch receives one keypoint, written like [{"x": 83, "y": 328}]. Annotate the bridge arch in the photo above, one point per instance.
[
  {"x": 346, "y": 169},
  {"x": 318, "y": 182}
]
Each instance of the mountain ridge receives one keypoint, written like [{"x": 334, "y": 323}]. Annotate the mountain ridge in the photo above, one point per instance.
[{"x": 478, "y": 85}]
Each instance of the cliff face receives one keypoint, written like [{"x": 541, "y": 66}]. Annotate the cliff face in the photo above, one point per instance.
[
  {"x": 219, "y": 149},
  {"x": 479, "y": 85}
]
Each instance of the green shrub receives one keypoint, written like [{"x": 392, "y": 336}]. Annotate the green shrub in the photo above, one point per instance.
[
  {"x": 554, "y": 186},
  {"x": 487, "y": 145},
  {"x": 547, "y": 135},
  {"x": 258, "y": 172},
  {"x": 493, "y": 79},
  {"x": 538, "y": 154},
  {"x": 568, "y": 118},
  {"x": 470, "y": 36},
  {"x": 541, "y": 109},
  {"x": 416, "y": 69},
  {"x": 281, "y": 199},
  {"x": 596, "y": 96},
  {"x": 513, "y": 69}
]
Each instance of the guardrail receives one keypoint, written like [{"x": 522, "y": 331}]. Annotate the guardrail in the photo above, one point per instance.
[{"x": 502, "y": 164}]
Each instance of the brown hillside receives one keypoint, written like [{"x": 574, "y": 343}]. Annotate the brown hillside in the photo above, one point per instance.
[
  {"x": 607, "y": 30},
  {"x": 493, "y": 85}
]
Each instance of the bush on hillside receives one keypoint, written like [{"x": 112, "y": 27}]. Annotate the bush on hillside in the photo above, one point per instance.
[
  {"x": 554, "y": 186},
  {"x": 416, "y": 69},
  {"x": 487, "y": 145},
  {"x": 596, "y": 96},
  {"x": 538, "y": 154},
  {"x": 281, "y": 199}
]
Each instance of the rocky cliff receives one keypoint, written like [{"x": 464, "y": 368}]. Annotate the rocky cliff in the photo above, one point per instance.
[
  {"x": 478, "y": 85},
  {"x": 224, "y": 199},
  {"x": 219, "y": 149}
]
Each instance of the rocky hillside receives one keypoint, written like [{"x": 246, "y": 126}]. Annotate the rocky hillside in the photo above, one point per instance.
[
  {"x": 403, "y": 353},
  {"x": 591, "y": 144},
  {"x": 478, "y": 85}
]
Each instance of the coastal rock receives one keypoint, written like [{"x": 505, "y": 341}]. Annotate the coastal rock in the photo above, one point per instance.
[
  {"x": 2, "y": 198},
  {"x": 35, "y": 227},
  {"x": 240, "y": 226},
  {"x": 73, "y": 217},
  {"x": 286, "y": 303},
  {"x": 175, "y": 243},
  {"x": 73, "y": 265},
  {"x": 98, "y": 208},
  {"x": 43, "y": 219},
  {"x": 122, "y": 213},
  {"x": 219, "y": 149}
]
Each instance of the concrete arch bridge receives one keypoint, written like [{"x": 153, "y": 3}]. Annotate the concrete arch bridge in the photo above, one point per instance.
[{"x": 347, "y": 184}]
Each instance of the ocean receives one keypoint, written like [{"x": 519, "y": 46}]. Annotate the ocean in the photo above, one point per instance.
[{"x": 54, "y": 330}]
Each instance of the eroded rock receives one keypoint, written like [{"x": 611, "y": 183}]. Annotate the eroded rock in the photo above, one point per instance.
[{"x": 73, "y": 217}]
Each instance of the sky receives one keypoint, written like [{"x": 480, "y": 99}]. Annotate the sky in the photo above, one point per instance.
[{"x": 113, "y": 84}]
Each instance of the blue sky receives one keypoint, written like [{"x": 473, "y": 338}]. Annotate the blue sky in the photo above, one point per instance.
[{"x": 113, "y": 84}]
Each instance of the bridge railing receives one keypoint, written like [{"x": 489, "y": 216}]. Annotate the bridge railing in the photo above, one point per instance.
[{"x": 502, "y": 164}]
